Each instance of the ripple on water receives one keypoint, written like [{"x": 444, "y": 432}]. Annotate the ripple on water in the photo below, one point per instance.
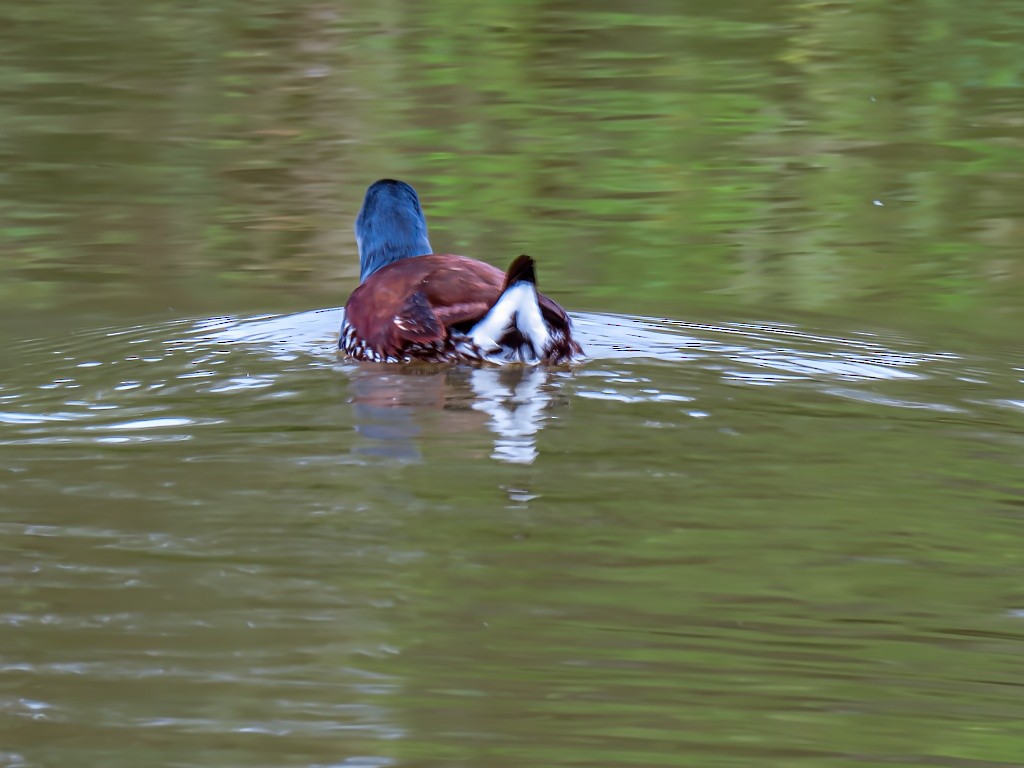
[
  {"x": 221, "y": 511},
  {"x": 139, "y": 384}
]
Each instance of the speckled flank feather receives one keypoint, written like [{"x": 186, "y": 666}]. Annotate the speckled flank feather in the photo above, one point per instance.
[
  {"x": 441, "y": 351},
  {"x": 459, "y": 348}
]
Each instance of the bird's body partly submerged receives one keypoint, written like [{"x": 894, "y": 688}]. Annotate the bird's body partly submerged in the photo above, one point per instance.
[{"x": 412, "y": 304}]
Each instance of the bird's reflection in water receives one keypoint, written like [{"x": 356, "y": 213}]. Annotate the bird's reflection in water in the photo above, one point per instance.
[
  {"x": 516, "y": 402},
  {"x": 399, "y": 407}
]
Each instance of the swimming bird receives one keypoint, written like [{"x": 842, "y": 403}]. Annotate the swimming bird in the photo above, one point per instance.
[{"x": 412, "y": 304}]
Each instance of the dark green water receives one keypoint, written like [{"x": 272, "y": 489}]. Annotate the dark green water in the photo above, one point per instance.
[{"x": 776, "y": 519}]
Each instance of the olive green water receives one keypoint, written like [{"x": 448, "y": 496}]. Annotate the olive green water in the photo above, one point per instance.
[{"x": 776, "y": 519}]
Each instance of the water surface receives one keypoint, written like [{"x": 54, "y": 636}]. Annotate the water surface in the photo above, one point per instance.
[{"x": 774, "y": 519}]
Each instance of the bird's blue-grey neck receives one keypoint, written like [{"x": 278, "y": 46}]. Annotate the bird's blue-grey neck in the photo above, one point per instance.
[{"x": 390, "y": 226}]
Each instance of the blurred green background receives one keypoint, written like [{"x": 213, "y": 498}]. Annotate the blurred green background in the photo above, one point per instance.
[{"x": 863, "y": 159}]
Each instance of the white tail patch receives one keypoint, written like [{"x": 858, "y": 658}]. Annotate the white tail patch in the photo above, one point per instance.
[{"x": 516, "y": 308}]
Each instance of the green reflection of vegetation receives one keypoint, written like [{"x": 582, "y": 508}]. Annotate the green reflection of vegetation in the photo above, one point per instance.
[{"x": 649, "y": 158}]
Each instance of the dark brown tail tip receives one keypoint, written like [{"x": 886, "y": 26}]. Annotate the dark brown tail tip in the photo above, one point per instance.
[{"x": 521, "y": 270}]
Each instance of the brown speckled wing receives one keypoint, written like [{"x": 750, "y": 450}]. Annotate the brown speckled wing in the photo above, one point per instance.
[{"x": 416, "y": 302}]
